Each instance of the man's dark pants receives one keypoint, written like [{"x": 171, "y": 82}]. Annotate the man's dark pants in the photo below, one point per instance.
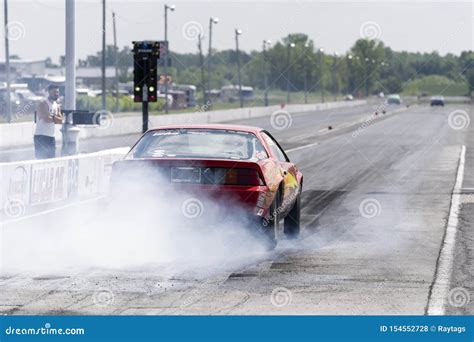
[{"x": 45, "y": 147}]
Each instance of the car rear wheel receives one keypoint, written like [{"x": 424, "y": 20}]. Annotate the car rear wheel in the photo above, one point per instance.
[
  {"x": 292, "y": 220},
  {"x": 269, "y": 226}
]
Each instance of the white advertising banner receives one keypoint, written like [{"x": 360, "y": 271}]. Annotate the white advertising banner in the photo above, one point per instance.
[
  {"x": 49, "y": 182},
  {"x": 14, "y": 189}
]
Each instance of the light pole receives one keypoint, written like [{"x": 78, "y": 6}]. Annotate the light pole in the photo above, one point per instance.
[
  {"x": 116, "y": 64},
  {"x": 290, "y": 45},
  {"x": 350, "y": 78},
  {"x": 237, "y": 34},
  {"x": 104, "y": 94},
  {"x": 201, "y": 65},
  {"x": 211, "y": 21},
  {"x": 171, "y": 8},
  {"x": 321, "y": 80},
  {"x": 7, "y": 63},
  {"x": 70, "y": 134},
  {"x": 366, "y": 84},
  {"x": 306, "y": 46},
  {"x": 265, "y": 79},
  {"x": 334, "y": 76}
]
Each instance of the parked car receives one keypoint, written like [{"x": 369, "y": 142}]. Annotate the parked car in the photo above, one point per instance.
[
  {"x": 348, "y": 97},
  {"x": 394, "y": 99},
  {"x": 437, "y": 101}
]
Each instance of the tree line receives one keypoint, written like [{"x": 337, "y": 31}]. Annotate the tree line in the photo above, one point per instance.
[{"x": 369, "y": 67}]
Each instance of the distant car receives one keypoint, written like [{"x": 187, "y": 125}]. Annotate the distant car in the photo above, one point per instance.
[
  {"x": 237, "y": 167},
  {"x": 437, "y": 101},
  {"x": 394, "y": 99},
  {"x": 348, "y": 97}
]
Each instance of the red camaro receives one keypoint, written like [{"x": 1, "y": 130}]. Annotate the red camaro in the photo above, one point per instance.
[{"x": 240, "y": 163}]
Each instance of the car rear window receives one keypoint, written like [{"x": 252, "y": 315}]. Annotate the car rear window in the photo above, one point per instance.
[{"x": 199, "y": 143}]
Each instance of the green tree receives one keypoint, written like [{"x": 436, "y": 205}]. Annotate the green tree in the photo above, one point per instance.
[{"x": 368, "y": 58}]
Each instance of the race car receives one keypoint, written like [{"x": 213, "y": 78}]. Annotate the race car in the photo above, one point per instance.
[{"x": 242, "y": 164}]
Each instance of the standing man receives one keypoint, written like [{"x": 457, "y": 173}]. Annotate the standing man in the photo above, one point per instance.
[{"x": 48, "y": 114}]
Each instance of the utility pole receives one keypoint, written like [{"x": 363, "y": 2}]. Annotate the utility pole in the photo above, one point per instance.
[
  {"x": 366, "y": 84},
  {"x": 321, "y": 80},
  {"x": 104, "y": 98},
  {"x": 70, "y": 133},
  {"x": 172, "y": 7},
  {"x": 237, "y": 34},
  {"x": 306, "y": 46},
  {"x": 116, "y": 65},
  {"x": 201, "y": 64},
  {"x": 350, "y": 78},
  {"x": 288, "y": 61},
  {"x": 334, "y": 74},
  {"x": 265, "y": 79},
  {"x": 211, "y": 21},
  {"x": 7, "y": 63}
]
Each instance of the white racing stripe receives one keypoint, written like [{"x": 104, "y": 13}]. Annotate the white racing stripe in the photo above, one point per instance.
[{"x": 441, "y": 285}]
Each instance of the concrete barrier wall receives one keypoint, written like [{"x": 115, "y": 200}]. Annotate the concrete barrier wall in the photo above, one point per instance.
[
  {"x": 29, "y": 186},
  {"x": 21, "y": 134}
]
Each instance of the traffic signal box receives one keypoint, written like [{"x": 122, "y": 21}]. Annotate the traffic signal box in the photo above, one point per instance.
[{"x": 145, "y": 60}]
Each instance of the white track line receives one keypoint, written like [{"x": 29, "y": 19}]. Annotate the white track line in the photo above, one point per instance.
[
  {"x": 441, "y": 285},
  {"x": 301, "y": 147}
]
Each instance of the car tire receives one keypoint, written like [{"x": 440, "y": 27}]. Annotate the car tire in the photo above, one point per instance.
[
  {"x": 292, "y": 220},
  {"x": 269, "y": 226}
]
